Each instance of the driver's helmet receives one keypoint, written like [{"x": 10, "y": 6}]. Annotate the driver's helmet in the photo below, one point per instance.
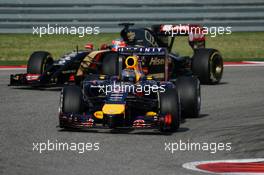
[
  {"x": 117, "y": 43},
  {"x": 128, "y": 75}
]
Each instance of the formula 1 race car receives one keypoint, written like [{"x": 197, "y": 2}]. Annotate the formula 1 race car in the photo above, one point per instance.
[
  {"x": 42, "y": 70},
  {"x": 206, "y": 63},
  {"x": 133, "y": 99}
]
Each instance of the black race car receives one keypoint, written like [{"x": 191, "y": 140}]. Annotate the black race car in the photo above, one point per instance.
[
  {"x": 206, "y": 63},
  {"x": 42, "y": 70}
]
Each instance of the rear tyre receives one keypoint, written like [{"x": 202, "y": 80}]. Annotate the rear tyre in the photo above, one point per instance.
[
  {"x": 38, "y": 62},
  {"x": 110, "y": 63},
  {"x": 170, "y": 105},
  {"x": 190, "y": 96},
  {"x": 207, "y": 64}
]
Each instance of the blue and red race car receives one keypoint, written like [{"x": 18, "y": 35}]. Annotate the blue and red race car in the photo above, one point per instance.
[{"x": 133, "y": 98}]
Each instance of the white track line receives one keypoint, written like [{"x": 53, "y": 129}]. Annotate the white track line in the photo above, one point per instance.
[
  {"x": 243, "y": 65},
  {"x": 13, "y": 68}
]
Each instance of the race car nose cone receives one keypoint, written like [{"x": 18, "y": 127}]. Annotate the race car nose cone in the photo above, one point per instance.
[{"x": 113, "y": 109}]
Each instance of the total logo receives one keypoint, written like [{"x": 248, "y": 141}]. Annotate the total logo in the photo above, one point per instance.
[{"x": 226, "y": 167}]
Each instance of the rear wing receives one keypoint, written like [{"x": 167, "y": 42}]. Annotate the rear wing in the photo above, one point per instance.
[
  {"x": 142, "y": 51},
  {"x": 194, "y": 32},
  {"x": 151, "y": 52},
  {"x": 178, "y": 29}
]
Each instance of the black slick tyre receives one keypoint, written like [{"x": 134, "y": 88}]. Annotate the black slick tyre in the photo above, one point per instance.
[
  {"x": 207, "y": 65},
  {"x": 190, "y": 96},
  {"x": 38, "y": 62},
  {"x": 110, "y": 63},
  {"x": 170, "y": 104}
]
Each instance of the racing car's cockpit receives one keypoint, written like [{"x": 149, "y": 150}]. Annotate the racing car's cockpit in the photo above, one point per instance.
[
  {"x": 128, "y": 75},
  {"x": 133, "y": 70}
]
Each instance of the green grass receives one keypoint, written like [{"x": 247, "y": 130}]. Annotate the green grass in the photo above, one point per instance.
[
  {"x": 13, "y": 62},
  {"x": 20, "y": 46},
  {"x": 15, "y": 48}
]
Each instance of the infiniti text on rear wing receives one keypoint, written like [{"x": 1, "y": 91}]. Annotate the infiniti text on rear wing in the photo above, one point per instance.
[{"x": 143, "y": 51}]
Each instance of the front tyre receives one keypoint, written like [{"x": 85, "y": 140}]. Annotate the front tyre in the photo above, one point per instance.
[
  {"x": 207, "y": 64},
  {"x": 171, "y": 109},
  {"x": 38, "y": 62},
  {"x": 71, "y": 101},
  {"x": 190, "y": 96}
]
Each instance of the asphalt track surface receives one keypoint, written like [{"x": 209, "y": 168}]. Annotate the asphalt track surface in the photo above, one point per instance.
[{"x": 231, "y": 112}]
